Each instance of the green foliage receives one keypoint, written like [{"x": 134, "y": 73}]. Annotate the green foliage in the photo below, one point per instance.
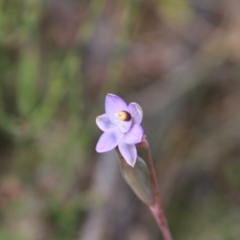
[{"x": 63, "y": 219}]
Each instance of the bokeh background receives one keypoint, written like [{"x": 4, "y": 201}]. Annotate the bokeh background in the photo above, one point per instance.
[{"x": 180, "y": 60}]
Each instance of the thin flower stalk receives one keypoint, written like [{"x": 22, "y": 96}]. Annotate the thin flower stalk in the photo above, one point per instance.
[{"x": 156, "y": 207}]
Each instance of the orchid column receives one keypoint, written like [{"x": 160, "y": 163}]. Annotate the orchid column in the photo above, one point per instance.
[{"x": 122, "y": 131}]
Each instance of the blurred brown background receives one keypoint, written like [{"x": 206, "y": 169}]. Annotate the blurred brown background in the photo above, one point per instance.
[{"x": 180, "y": 60}]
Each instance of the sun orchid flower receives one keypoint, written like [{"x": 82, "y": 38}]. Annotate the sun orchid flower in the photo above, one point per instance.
[{"x": 121, "y": 127}]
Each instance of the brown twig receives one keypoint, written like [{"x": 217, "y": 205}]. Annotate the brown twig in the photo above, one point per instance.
[{"x": 156, "y": 207}]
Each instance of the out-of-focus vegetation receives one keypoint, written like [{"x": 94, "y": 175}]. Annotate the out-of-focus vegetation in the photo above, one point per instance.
[{"x": 179, "y": 59}]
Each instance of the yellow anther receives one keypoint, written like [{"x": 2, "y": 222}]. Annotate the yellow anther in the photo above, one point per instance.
[{"x": 124, "y": 116}]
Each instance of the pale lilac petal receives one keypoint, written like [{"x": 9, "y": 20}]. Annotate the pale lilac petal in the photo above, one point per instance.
[
  {"x": 108, "y": 141},
  {"x": 124, "y": 126},
  {"x": 136, "y": 112},
  {"x": 114, "y": 105},
  {"x": 134, "y": 135},
  {"x": 104, "y": 123},
  {"x": 128, "y": 152}
]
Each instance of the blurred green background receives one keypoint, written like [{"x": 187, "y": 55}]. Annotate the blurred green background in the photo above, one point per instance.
[{"x": 180, "y": 60}]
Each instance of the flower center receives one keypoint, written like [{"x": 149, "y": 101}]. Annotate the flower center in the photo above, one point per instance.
[{"x": 124, "y": 116}]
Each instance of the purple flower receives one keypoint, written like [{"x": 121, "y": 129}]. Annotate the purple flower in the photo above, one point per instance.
[{"x": 121, "y": 127}]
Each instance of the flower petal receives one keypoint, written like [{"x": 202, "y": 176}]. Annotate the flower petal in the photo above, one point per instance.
[
  {"x": 114, "y": 105},
  {"x": 108, "y": 141},
  {"x": 124, "y": 126},
  {"x": 136, "y": 112},
  {"x": 128, "y": 152},
  {"x": 104, "y": 123},
  {"x": 134, "y": 135}
]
